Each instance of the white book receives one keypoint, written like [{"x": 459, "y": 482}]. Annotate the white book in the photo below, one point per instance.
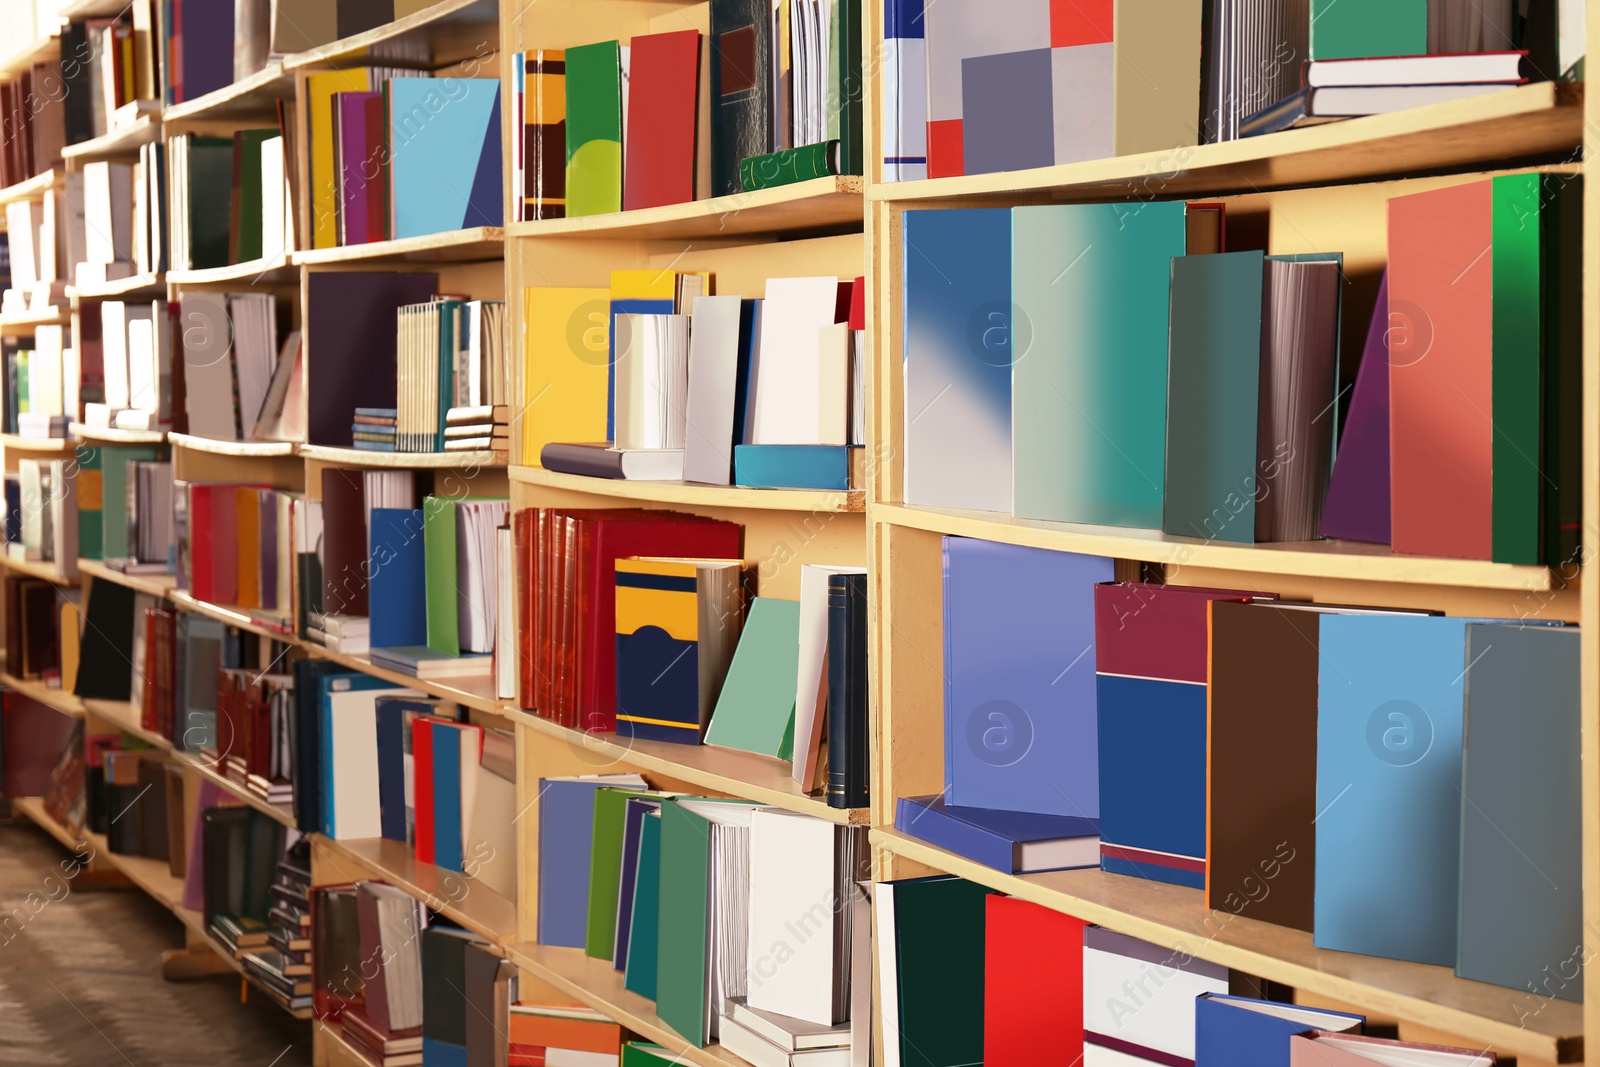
[
  {"x": 108, "y": 212},
  {"x": 787, "y": 1032},
  {"x": 652, "y": 380},
  {"x": 352, "y": 719},
  {"x": 505, "y": 638},
  {"x": 811, "y": 683},
  {"x": 1163, "y": 1019},
  {"x": 45, "y": 370},
  {"x": 143, "y": 372},
  {"x": 33, "y": 475},
  {"x": 24, "y": 220},
  {"x": 76, "y": 229},
  {"x": 275, "y": 227},
  {"x": 713, "y": 381},
  {"x": 114, "y": 316},
  {"x": 206, "y": 332},
  {"x": 71, "y": 384},
  {"x": 745, "y": 1042},
  {"x": 861, "y": 1036},
  {"x": 793, "y": 956},
  {"x": 477, "y": 523},
  {"x": 255, "y": 350},
  {"x": 64, "y": 524},
  {"x": 787, "y": 404},
  {"x": 833, "y": 384},
  {"x": 883, "y": 920},
  {"x": 567, "y": 1057}
]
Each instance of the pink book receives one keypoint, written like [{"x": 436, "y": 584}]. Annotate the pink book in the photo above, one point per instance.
[
  {"x": 1323, "y": 1049},
  {"x": 194, "y": 897},
  {"x": 359, "y": 170},
  {"x": 1357, "y": 508}
]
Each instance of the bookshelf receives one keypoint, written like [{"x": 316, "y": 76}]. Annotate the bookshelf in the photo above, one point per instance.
[
  {"x": 112, "y": 436},
  {"x": 25, "y": 324},
  {"x": 50, "y": 696},
  {"x": 32, "y": 809},
  {"x": 120, "y": 141},
  {"x": 32, "y": 189},
  {"x": 36, "y": 445},
  {"x": 458, "y": 246},
  {"x": 819, "y": 204},
  {"x": 455, "y": 896}
]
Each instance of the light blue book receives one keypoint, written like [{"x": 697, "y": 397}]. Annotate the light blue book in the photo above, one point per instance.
[
  {"x": 444, "y": 154},
  {"x": 1089, "y": 412},
  {"x": 1020, "y": 692},
  {"x": 961, "y": 335}
]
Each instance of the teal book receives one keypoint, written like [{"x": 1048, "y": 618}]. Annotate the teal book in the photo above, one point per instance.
[
  {"x": 1089, "y": 410},
  {"x": 605, "y": 870},
  {"x": 439, "y": 556},
  {"x": 755, "y": 710},
  {"x": 1213, "y": 388},
  {"x": 1356, "y": 29},
  {"x": 594, "y": 129},
  {"x": 644, "y": 923},
  {"x": 114, "y": 498}
]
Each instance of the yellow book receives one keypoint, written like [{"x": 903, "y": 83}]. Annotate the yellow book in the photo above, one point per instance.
[
  {"x": 248, "y": 527},
  {"x": 71, "y": 629},
  {"x": 566, "y": 367},
  {"x": 324, "y": 160}
]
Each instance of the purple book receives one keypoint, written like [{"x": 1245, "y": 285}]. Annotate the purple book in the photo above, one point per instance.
[
  {"x": 194, "y": 896},
  {"x": 356, "y": 167},
  {"x": 632, "y": 831},
  {"x": 207, "y": 48},
  {"x": 352, "y": 315},
  {"x": 1357, "y": 508}
]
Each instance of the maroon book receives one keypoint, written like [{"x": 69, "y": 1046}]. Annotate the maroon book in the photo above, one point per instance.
[
  {"x": 1155, "y": 631},
  {"x": 344, "y": 542}
]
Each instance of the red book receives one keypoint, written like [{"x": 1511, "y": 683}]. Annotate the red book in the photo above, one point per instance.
[
  {"x": 1156, "y": 631},
  {"x": 1033, "y": 984},
  {"x": 149, "y": 688},
  {"x": 658, "y": 153},
  {"x": 524, "y": 542},
  {"x": 224, "y": 545},
  {"x": 858, "y": 304},
  {"x": 201, "y": 543},
  {"x": 422, "y": 777}
]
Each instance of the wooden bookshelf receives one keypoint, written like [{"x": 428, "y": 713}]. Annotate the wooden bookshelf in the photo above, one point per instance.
[
  {"x": 274, "y": 271},
  {"x": 123, "y": 140},
  {"x": 52, "y": 697},
  {"x": 255, "y": 96},
  {"x": 92, "y": 9},
  {"x": 112, "y": 436},
  {"x": 150, "y": 284},
  {"x": 475, "y": 693},
  {"x": 237, "y": 449},
  {"x": 20, "y": 325},
  {"x": 45, "y": 569},
  {"x": 457, "y": 897},
  {"x": 32, "y": 189},
  {"x": 123, "y": 715},
  {"x": 450, "y": 31},
  {"x": 361, "y": 457},
  {"x": 156, "y": 585},
  {"x": 695, "y": 494},
  {"x": 12, "y": 442},
  {"x": 32, "y": 809},
  {"x": 234, "y": 616},
  {"x": 819, "y": 204},
  {"x": 456, "y": 246},
  {"x": 337, "y": 1052}
]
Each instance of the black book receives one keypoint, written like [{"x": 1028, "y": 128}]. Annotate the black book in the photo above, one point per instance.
[
  {"x": 444, "y": 984},
  {"x": 77, "y": 102},
  {"x": 741, "y": 88},
  {"x": 105, "y": 659},
  {"x": 847, "y": 691},
  {"x": 210, "y": 185}
]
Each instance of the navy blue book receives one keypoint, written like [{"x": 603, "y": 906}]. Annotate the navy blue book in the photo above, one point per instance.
[
  {"x": 396, "y": 579},
  {"x": 395, "y": 715},
  {"x": 1232, "y": 1031},
  {"x": 307, "y": 747},
  {"x": 1016, "y": 842},
  {"x": 744, "y": 380}
]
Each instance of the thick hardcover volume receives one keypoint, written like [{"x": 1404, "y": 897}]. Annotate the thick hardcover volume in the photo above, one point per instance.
[
  {"x": 1518, "y": 482},
  {"x": 663, "y": 79},
  {"x": 594, "y": 129},
  {"x": 545, "y": 135},
  {"x": 1563, "y": 370},
  {"x": 741, "y": 88},
  {"x": 847, "y": 691},
  {"x": 658, "y": 651},
  {"x": 790, "y": 166}
]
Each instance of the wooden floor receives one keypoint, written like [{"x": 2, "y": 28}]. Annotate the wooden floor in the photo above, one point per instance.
[{"x": 79, "y": 981}]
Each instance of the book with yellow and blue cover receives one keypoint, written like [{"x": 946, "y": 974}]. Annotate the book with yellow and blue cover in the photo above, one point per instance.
[{"x": 678, "y": 621}]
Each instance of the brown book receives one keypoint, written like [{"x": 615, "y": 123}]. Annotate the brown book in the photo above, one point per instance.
[{"x": 155, "y": 825}]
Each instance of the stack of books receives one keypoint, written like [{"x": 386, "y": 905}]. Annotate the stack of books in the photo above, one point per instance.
[
  {"x": 450, "y": 355},
  {"x": 473, "y": 429},
  {"x": 254, "y": 714},
  {"x": 284, "y": 966},
  {"x": 373, "y": 429}
]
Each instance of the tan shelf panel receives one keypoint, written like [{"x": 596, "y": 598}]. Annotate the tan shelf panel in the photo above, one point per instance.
[
  {"x": 1313, "y": 559},
  {"x": 475, "y": 693},
  {"x": 821, "y": 203},
  {"x": 234, "y": 616},
  {"x": 691, "y": 493},
  {"x": 360, "y": 457},
  {"x": 122, "y": 141},
  {"x": 721, "y": 770},
  {"x": 13, "y": 442},
  {"x": 50, "y": 696},
  {"x": 274, "y": 271},
  {"x": 121, "y": 714},
  {"x": 203, "y": 767},
  {"x": 13, "y": 325},
  {"x": 596, "y": 984},
  {"x": 93, "y": 9},
  {"x": 453, "y": 895},
  {"x": 45, "y": 569},
  {"x": 156, "y": 585},
  {"x": 112, "y": 436},
  {"x": 255, "y": 96},
  {"x": 242, "y": 449},
  {"x": 456, "y": 246},
  {"x": 32, "y": 189},
  {"x": 40, "y": 51},
  {"x": 447, "y": 32},
  {"x": 152, "y": 876},
  {"x": 1544, "y": 120},
  {"x": 135, "y": 285},
  {"x": 1176, "y": 917},
  {"x": 336, "y": 1050},
  {"x": 32, "y": 808}
]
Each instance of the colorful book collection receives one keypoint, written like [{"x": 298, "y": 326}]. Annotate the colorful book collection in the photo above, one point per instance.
[
  {"x": 695, "y": 900},
  {"x": 397, "y": 153},
  {"x": 231, "y": 201},
  {"x": 451, "y": 367},
  {"x": 40, "y": 385},
  {"x": 41, "y": 631},
  {"x": 123, "y": 505},
  {"x": 44, "y": 515},
  {"x": 1381, "y": 737},
  {"x": 1241, "y": 444},
  {"x": 670, "y": 383},
  {"x": 238, "y": 547},
  {"x": 773, "y": 97},
  {"x": 110, "y": 70}
]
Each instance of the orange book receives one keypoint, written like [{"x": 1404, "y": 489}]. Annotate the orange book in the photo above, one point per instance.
[
  {"x": 553, "y": 1032},
  {"x": 248, "y": 529},
  {"x": 1441, "y": 371}
]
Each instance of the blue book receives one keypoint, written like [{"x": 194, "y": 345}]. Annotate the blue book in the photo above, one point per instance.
[
  {"x": 374, "y": 446},
  {"x": 378, "y": 413},
  {"x": 444, "y": 175},
  {"x": 436, "y": 1053},
  {"x": 1020, "y": 699},
  {"x": 792, "y": 466},
  {"x": 639, "y": 975},
  {"x": 397, "y": 575},
  {"x": 1232, "y": 1031},
  {"x": 633, "y": 821},
  {"x": 566, "y": 834},
  {"x": 1012, "y": 841},
  {"x": 961, "y": 330},
  {"x": 393, "y": 734},
  {"x": 447, "y": 844}
]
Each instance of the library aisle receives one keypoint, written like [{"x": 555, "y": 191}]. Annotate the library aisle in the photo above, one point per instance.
[{"x": 80, "y": 978}]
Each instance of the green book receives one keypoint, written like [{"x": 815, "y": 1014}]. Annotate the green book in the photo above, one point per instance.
[
  {"x": 114, "y": 496},
  {"x": 605, "y": 870},
  {"x": 439, "y": 558},
  {"x": 645, "y": 1054},
  {"x": 1213, "y": 385},
  {"x": 755, "y": 710},
  {"x": 91, "y": 494},
  {"x": 938, "y": 931},
  {"x": 1356, "y": 29},
  {"x": 594, "y": 129},
  {"x": 1517, "y": 480},
  {"x": 1563, "y": 373},
  {"x": 789, "y": 166},
  {"x": 210, "y": 200},
  {"x": 247, "y": 170},
  {"x": 644, "y": 923},
  {"x": 844, "y": 75}
]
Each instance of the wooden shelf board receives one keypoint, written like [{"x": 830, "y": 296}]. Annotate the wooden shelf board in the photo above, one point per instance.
[
  {"x": 477, "y": 693},
  {"x": 45, "y": 569},
  {"x": 122, "y": 141},
  {"x": 152, "y": 876},
  {"x": 34, "y": 52},
  {"x": 233, "y": 616},
  {"x": 32, "y": 189},
  {"x": 722, "y": 770},
  {"x": 138, "y": 283},
  {"x": 358, "y": 457},
  {"x": 112, "y": 435},
  {"x": 202, "y": 766},
  {"x": 12, "y": 325},
  {"x": 17, "y": 443},
  {"x": 243, "y": 449},
  {"x": 448, "y": 32},
  {"x": 821, "y": 203},
  {"x": 274, "y": 271},
  {"x": 1314, "y": 559},
  {"x": 691, "y": 493},
  {"x": 121, "y": 714},
  {"x": 156, "y": 585},
  {"x": 1539, "y": 121},
  {"x": 92, "y": 9},
  {"x": 596, "y": 984},
  {"x": 33, "y": 809},
  {"x": 455, "y": 246},
  {"x": 455, "y": 896},
  {"x": 1176, "y": 917},
  {"x": 255, "y": 96},
  {"x": 50, "y": 696},
  {"x": 336, "y": 1050}
]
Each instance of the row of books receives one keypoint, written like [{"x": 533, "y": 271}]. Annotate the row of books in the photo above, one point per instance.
[
  {"x": 39, "y": 262},
  {"x": 44, "y": 514},
  {"x": 630, "y": 876},
  {"x": 111, "y": 71},
  {"x": 241, "y": 367},
  {"x": 451, "y": 366},
  {"x": 33, "y": 390},
  {"x": 1150, "y": 755},
  {"x": 1047, "y": 412},
  {"x": 614, "y": 126},
  {"x": 238, "y": 545},
  {"x": 717, "y": 389},
  {"x": 42, "y": 627},
  {"x": 125, "y": 507},
  {"x": 230, "y": 199},
  {"x": 30, "y": 108}
]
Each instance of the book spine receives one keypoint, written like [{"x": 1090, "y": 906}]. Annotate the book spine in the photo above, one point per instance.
[{"x": 847, "y": 691}]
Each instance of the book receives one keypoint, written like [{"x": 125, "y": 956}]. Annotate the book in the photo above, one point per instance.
[
  {"x": 711, "y": 432},
  {"x": 742, "y": 89},
  {"x": 785, "y": 1033},
  {"x": 1356, "y": 507},
  {"x": 1310, "y": 107},
  {"x": 849, "y": 732},
  {"x": 755, "y": 710},
  {"x": 543, "y": 148},
  {"x": 1250, "y": 62},
  {"x": 443, "y": 176},
  {"x": 1011, "y": 841},
  {"x": 828, "y": 468},
  {"x": 659, "y": 143},
  {"x": 1321, "y": 1049},
  {"x": 606, "y": 863},
  {"x": 788, "y": 394},
  {"x": 565, "y": 367},
  {"x": 1157, "y": 1025},
  {"x": 1033, "y": 983},
  {"x": 594, "y": 96},
  {"x": 644, "y": 919},
  {"x": 350, "y": 778},
  {"x": 396, "y": 578},
  {"x": 1244, "y": 1031},
  {"x": 812, "y": 683},
  {"x": 904, "y": 112},
  {"x": 424, "y": 662},
  {"x": 1453, "y": 69},
  {"x": 566, "y": 829},
  {"x": 1368, "y": 28},
  {"x": 930, "y": 945},
  {"x": 651, "y": 379}
]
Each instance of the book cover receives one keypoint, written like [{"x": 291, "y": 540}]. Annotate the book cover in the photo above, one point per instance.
[
  {"x": 755, "y": 710},
  {"x": 1357, "y": 505},
  {"x": 322, "y": 154},
  {"x": 1033, "y": 984},
  {"x": 742, "y": 88},
  {"x": 1356, "y": 29},
  {"x": 932, "y": 932},
  {"x": 1519, "y": 348},
  {"x": 995, "y": 838},
  {"x": 397, "y": 578},
  {"x": 639, "y": 973},
  {"x": 663, "y": 90},
  {"x": 566, "y": 831},
  {"x": 1231, "y": 1031},
  {"x": 443, "y": 175},
  {"x": 605, "y": 871},
  {"x": 1139, "y": 999},
  {"x": 594, "y": 129},
  {"x": 566, "y": 367},
  {"x": 544, "y": 132},
  {"x": 904, "y": 111}
]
